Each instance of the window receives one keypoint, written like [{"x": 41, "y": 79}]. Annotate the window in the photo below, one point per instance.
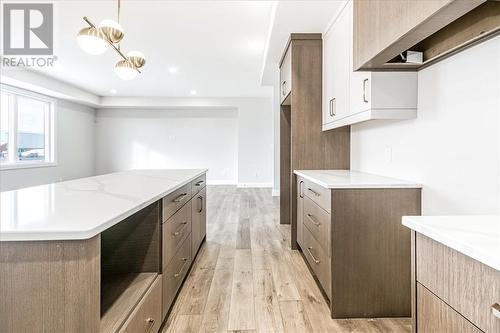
[{"x": 26, "y": 129}]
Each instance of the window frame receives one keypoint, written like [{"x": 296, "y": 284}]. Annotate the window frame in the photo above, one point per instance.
[{"x": 50, "y": 130}]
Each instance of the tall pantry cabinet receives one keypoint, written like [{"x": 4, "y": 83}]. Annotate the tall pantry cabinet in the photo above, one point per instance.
[{"x": 303, "y": 144}]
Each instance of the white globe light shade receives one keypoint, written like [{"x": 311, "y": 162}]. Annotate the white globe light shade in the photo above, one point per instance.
[
  {"x": 92, "y": 41},
  {"x": 112, "y": 30},
  {"x": 125, "y": 70},
  {"x": 136, "y": 58}
]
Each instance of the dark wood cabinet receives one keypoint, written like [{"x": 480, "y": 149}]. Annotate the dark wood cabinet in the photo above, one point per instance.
[{"x": 303, "y": 145}]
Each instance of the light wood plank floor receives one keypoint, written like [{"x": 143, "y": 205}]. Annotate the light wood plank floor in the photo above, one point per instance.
[{"x": 246, "y": 278}]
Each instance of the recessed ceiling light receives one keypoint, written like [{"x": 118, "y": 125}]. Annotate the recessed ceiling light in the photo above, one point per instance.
[
  {"x": 112, "y": 91},
  {"x": 172, "y": 70},
  {"x": 193, "y": 92}
]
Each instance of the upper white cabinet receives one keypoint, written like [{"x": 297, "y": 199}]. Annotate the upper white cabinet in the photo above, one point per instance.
[
  {"x": 336, "y": 46},
  {"x": 352, "y": 97}
]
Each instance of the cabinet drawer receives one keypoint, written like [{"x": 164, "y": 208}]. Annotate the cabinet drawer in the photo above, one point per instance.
[
  {"x": 468, "y": 286},
  {"x": 174, "y": 231},
  {"x": 318, "y": 261},
  {"x": 286, "y": 75},
  {"x": 435, "y": 316},
  {"x": 317, "y": 220},
  {"x": 174, "y": 274},
  {"x": 146, "y": 317},
  {"x": 175, "y": 200},
  {"x": 320, "y": 195},
  {"x": 198, "y": 224},
  {"x": 198, "y": 184}
]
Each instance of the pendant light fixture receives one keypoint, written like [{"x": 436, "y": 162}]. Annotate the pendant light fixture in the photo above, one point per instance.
[{"x": 95, "y": 40}]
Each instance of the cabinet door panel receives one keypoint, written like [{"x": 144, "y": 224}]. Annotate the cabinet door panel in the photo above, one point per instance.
[
  {"x": 379, "y": 24},
  {"x": 328, "y": 50},
  {"x": 340, "y": 65},
  {"x": 286, "y": 75}
]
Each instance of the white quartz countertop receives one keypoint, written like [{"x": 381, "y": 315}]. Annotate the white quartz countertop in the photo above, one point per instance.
[
  {"x": 338, "y": 179},
  {"x": 475, "y": 236},
  {"x": 83, "y": 208}
]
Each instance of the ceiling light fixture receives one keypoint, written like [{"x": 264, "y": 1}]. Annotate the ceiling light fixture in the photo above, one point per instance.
[
  {"x": 172, "y": 70},
  {"x": 193, "y": 92},
  {"x": 94, "y": 40}
]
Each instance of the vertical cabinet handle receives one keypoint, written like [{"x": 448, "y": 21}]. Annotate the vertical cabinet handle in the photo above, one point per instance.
[
  {"x": 365, "y": 81},
  {"x": 331, "y": 107},
  {"x": 283, "y": 88},
  {"x": 301, "y": 189},
  {"x": 495, "y": 309},
  {"x": 201, "y": 204}
]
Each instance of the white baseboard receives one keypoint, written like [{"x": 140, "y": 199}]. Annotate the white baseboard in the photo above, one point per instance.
[
  {"x": 221, "y": 182},
  {"x": 276, "y": 193},
  {"x": 256, "y": 185}
]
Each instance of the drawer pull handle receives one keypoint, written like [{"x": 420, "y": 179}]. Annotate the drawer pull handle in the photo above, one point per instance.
[
  {"x": 301, "y": 192},
  {"x": 313, "y": 220},
  {"x": 313, "y": 192},
  {"x": 495, "y": 309},
  {"x": 199, "y": 183},
  {"x": 312, "y": 255},
  {"x": 151, "y": 323},
  {"x": 178, "y": 232},
  {"x": 179, "y": 198},
  {"x": 201, "y": 204},
  {"x": 176, "y": 275}
]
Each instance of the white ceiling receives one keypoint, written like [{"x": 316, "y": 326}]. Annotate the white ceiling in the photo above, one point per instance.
[
  {"x": 298, "y": 17},
  {"x": 217, "y": 47}
]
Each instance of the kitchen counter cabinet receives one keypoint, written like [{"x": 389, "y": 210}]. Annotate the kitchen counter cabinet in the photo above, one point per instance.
[{"x": 353, "y": 240}]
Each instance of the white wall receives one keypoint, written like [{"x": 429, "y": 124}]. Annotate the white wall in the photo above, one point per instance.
[
  {"x": 452, "y": 148},
  {"x": 251, "y": 165},
  {"x": 75, "y": 131},
  {"x": 255, "y": 142},
  {"x": 142, "y": 139}
]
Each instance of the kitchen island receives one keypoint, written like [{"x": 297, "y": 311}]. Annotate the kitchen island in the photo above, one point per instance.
[{"x": 99, "y": 254}]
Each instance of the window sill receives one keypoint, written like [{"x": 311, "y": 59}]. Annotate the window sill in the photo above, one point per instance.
[{"x": 30, "y": 165}]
